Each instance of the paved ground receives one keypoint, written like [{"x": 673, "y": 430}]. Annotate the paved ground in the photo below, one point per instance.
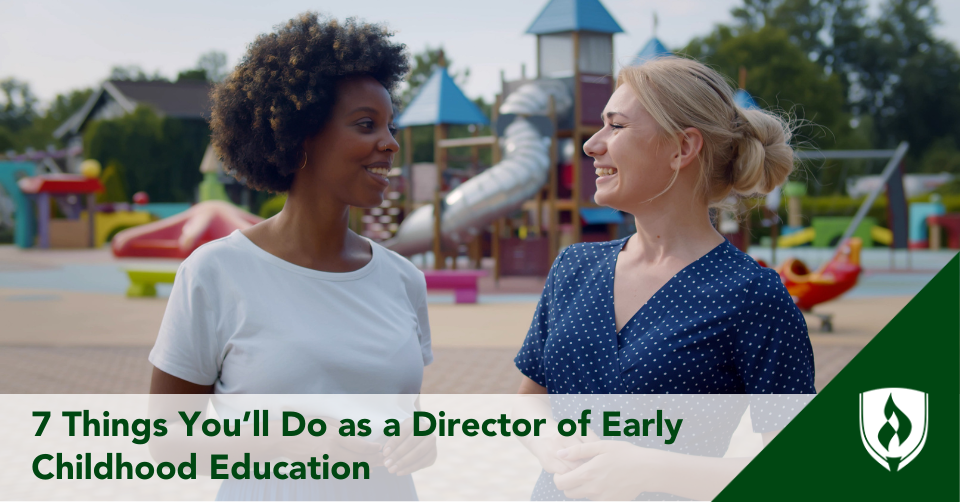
[{"x": 66, "y": 328}]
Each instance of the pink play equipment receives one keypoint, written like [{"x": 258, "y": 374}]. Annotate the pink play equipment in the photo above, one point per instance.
[
  {"x": 462, "y": 282},
  {"x": 179, "y": 235},
  {"x": 70, "y": 191}
]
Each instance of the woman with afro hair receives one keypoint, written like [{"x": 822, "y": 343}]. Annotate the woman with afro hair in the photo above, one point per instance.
[{"x": 300, "y": 304}]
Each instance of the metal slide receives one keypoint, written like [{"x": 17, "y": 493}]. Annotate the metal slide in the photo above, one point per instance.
[{"x": 501, "y": 189}]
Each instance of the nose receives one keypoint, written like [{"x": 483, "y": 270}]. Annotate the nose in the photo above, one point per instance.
[
  {"x": 390, "y": 144},
  {"x": 594, "y": 146}
]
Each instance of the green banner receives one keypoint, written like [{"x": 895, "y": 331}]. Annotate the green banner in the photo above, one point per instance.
[{"x": 887, "y": 427}]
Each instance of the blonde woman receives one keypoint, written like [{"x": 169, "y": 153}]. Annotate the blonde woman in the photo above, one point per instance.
[{"x": 674, "y": 308}]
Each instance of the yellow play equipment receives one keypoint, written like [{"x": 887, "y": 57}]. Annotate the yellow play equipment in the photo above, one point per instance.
[
  {"x": 108, "y": 224},
  {"x": 879, "y": 235}
]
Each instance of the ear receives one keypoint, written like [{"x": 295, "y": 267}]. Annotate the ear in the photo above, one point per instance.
[{"x": 691, "y": 142}]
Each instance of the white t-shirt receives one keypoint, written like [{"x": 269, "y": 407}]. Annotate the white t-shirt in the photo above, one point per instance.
[{"x": 251, "y": 323}]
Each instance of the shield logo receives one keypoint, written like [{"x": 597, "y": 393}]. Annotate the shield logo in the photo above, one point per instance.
[{"x": 893, "y": 425}]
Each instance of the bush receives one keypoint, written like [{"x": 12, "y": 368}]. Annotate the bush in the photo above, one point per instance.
[
  {"x": 272, "y": 206},
  {"x": 157, "y": 155}
]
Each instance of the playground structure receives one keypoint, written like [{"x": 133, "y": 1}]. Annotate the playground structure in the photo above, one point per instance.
[
  {"x": 532, "y": 118},
  {"x": 836, "y": 277},
  {"x": 69, "y": 191},
  {"x": 181, "y": 234}
]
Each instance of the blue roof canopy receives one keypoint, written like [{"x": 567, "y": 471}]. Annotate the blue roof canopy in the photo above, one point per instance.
[
  {"x": 574, "y": 15},
  {"x": 743, "y": 99},
  {"x": 600, "y": 215},
  {"x": 653, "y": 50},
  {"x": 440, "y": 101}
]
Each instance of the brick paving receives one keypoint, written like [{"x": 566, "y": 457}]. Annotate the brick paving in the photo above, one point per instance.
[{"x": 125, "y": 370}]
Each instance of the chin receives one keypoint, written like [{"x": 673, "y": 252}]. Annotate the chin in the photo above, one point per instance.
[{"x": 604, "y": 198}]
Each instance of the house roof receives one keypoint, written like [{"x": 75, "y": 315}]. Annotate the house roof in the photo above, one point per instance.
[
  {"x": 440, "y": 101},
  {"x": 652, "y": 50},
  {"x": 189, "y": 99},
  {"x": 574, "y": 15},
  {"x": 743, "y": 99}
]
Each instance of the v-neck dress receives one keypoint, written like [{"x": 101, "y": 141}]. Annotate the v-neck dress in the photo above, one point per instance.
[{"x": 722, "y": 325}]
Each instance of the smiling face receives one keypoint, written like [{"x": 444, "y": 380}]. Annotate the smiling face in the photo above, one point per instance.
[
  {"x": 631, "y": 155},
  {"x": 350, "y": 157}
]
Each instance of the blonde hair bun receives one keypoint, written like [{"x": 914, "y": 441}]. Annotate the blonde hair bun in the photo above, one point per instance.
[
  {"x": 744, "y": 151},
  {"x": 764, "y": 158}
]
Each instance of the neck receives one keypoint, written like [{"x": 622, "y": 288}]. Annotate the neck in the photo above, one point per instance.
[
  {"x": 670, "y": 226},
  {"x": 313, "y": 226}
]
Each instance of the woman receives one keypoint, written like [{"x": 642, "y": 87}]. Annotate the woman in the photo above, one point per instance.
[
  {"x": 674, "y": 308},
  {"x": 299, "y": 303}
]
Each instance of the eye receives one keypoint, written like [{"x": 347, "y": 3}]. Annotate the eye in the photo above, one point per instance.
[
  {"x": 393, "y": 130},
  {"x": 616, "y": 126},
  {"x": 366, "y": 124}
]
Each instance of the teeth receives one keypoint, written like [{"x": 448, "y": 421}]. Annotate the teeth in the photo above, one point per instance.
[
  {"x": 606, "y": 171},
  {"x": 380, "y": 171}
]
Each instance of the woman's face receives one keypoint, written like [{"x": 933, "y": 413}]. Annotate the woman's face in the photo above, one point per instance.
[
  {"x": 631, "y": 157},
  {"x": 350, "y": 157}
]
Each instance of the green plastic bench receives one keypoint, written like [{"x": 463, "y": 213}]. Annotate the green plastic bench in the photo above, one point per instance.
[{"x": 143, "y": 283}]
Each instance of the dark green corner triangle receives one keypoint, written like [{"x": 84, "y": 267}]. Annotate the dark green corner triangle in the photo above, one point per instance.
[{"x": 820, "y": 455}]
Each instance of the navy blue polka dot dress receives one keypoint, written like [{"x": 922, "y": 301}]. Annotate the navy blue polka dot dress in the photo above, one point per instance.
[{"x": 722, "y": 325}]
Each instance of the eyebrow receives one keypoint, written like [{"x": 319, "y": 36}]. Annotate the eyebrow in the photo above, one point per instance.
[
  {"x": 372, "y": 110},
  {"x": 610, "y": 115},
  {"x": 367, "y": 109}
]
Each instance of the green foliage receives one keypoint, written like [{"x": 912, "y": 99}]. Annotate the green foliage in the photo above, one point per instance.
[
  {"x": 942, "y": 156},
  {"x": 780, "y": 77},
  {"x": 892, "y": 68},
  {"x": 160, "y": 156},
  {"x": 195, "y": 75},
  {"x": 423, "y": 65},
  {"x": 214, "y": 65},
  {"x": 272, "y": 206},
  {"x": 112, "y": 180},
  {"x": 18, "y": 108},
  {"x": 22, "y": 126},
  {"x": 134, "y": 72}
]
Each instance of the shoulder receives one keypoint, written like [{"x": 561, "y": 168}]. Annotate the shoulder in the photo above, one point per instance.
[
  {"x": 586, "y": 255},
  {"x": 759, "y": 287},
  {"x": 399, "y": 264},
  {"x": 584, "y": 251},
  {"x": 209, "y": 259}
]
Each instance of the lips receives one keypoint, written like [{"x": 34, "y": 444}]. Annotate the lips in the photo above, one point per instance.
[{"x": 379, "y": 171}]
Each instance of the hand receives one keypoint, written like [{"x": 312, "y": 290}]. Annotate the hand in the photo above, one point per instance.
[
  {"x": 609, "y": 470},
  {"x": 545, "y": 448},
  {"x": 406, "y": 453}
]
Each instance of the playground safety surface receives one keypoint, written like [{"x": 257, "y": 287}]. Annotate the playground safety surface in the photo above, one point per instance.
[{"x": 67, "y": 328}]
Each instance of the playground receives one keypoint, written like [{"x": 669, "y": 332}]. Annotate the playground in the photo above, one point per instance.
[{"x": 83, "y": 286}]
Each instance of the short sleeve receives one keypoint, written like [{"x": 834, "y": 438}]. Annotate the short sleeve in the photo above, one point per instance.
[
  {"x": 423, "y": 322},
  {"x": 772, "y": 353},
  {"x": 187, "y": 346},
  {"x": 530, "y": 358}
]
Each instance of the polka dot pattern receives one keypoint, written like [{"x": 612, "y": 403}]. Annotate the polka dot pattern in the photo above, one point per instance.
[{"x": 722, "y": 325}]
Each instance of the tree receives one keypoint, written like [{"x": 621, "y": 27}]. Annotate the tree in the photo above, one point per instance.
[
  {"x": 892, "y": 68},
  {"x": 18, "y": 108},
  {"x": 134, "y": 72},
  {"x": 196, "y": 75},
  {"x": 423, "y": 65},
  {"x": 780, "y": 76},
  {"x": 214, "y": 65},
  {"x": 158, "y": 155}
]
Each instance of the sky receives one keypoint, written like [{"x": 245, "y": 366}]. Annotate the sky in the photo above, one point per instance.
[{"x": 57, "y": 46}]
